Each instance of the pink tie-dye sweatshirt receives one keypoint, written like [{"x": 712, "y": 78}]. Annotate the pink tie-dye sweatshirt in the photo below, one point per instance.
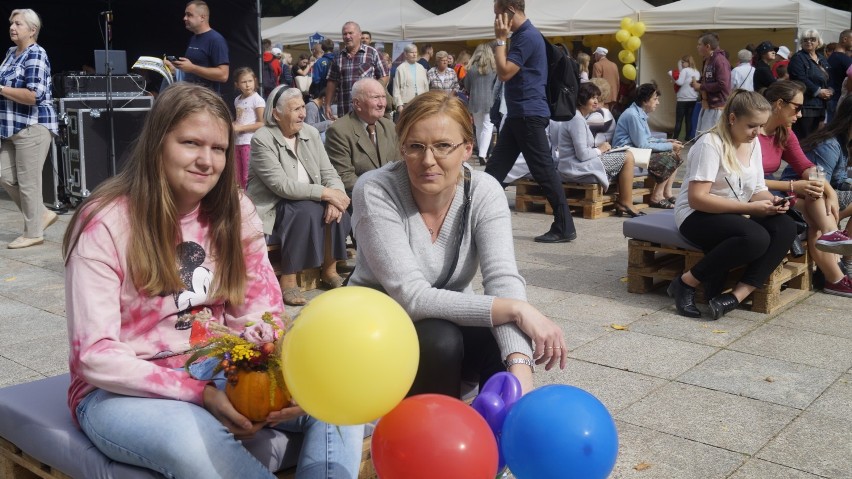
[{"x": 132, "y": 344}]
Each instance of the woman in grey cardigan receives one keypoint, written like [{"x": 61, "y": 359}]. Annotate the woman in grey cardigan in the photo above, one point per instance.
[
  {"x": 479, "y": 82},
  {"x": 298, "y": 193},
  {"x": 578, "y": 159},
  {"x": 412, "y": 219}
]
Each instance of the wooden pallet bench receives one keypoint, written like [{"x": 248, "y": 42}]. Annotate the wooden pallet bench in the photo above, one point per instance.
[
  {"x": 652, "y": 265},
  {"x": 36, "y": 416},
  {"x": 587, "y": 199}
]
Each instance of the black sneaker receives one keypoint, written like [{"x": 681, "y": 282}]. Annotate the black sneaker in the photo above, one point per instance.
[{"x": 554, "y": 237}]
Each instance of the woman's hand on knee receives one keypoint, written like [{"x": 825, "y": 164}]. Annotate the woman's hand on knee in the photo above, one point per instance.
[
  {"x": 547, "y": 336},
  {"x": 335, "y": 197},
  {"x": 332, "y": 214}
]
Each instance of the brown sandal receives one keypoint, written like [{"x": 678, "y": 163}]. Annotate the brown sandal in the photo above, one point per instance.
[{"x": 293, "y": 296}]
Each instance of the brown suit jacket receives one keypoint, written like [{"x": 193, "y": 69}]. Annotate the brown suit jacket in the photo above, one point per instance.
[
  {"x": 352, "y": 153},
  {"x": 607, "y": 70}
]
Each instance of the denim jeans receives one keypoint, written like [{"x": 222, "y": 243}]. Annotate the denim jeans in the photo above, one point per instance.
[{"x": 183, "y": 440}]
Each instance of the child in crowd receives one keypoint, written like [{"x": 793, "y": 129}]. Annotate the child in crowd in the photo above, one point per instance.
[{"x": 250, "y": 107}]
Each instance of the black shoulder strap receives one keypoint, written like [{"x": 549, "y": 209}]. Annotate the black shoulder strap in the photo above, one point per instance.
[{"x": 462, "y": 227}]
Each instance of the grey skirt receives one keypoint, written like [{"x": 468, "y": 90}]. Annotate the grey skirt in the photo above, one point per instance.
[
  {"x": 613, "y": 162},
  {"x": 300, "y": 230}
]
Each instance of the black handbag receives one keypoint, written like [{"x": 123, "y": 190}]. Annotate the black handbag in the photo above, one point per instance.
[{"x": 797, "y": 249}]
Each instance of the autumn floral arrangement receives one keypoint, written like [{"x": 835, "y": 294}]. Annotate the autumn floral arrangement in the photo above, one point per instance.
[{"x": 251, "y": 362}]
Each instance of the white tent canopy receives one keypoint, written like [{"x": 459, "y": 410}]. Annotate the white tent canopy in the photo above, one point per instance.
[
  {"x": 741, "y": 14},
  {"x": 383, "y": 18},
  {"x": 269, "y": 22},
  {"x": 475, "y": 19},
  {"x": 672, "y": 31}
]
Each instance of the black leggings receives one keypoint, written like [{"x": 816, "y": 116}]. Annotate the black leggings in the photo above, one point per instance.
[
  {"x": 731, "y": 240},
  {"x": 449, "y": 353}
]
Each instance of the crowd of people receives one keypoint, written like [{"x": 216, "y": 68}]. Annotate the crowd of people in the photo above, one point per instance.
[{"x": 345, "y": 149}]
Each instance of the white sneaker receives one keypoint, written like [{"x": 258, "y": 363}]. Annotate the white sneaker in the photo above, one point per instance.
[{"x": 24, "y": 242}]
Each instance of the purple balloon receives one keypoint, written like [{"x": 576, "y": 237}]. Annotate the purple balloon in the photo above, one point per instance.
[{"x": 496, "y": 397}]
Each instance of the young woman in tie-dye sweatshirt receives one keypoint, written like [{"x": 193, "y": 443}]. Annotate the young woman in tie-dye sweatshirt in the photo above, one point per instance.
[{"x": 168, "y": 240}]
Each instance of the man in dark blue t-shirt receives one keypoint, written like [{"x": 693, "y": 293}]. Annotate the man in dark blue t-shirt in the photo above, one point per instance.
[
  {"x": 206, "y": 59},
  {"x": 524, "y": 69}
]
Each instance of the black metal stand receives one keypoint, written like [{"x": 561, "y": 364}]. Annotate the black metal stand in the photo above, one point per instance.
[{"x": 107, "y": 43}]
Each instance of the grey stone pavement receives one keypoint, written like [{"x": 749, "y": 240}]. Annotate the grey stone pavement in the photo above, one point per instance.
[{"x": 749, "y": 396}]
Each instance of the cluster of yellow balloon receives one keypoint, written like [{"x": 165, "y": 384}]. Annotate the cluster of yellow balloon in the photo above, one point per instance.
[{"x": 628, "y": 37}]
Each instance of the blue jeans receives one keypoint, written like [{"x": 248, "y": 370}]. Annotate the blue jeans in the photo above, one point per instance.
[{"x": 183, "y": 440}]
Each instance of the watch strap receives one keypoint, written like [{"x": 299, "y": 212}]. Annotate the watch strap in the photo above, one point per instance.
[{"x": 512, "y": 362}]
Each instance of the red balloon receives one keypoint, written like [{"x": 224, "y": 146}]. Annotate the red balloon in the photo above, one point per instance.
[{"x": 430, "y": 436}]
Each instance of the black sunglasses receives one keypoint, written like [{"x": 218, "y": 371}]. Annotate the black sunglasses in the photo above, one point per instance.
[{"x": 797, "y": 106}]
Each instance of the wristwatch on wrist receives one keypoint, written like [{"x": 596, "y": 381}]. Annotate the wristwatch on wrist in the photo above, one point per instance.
[
  {"x": 501, "y": 43},
  {"x": 511, "y": 362}
]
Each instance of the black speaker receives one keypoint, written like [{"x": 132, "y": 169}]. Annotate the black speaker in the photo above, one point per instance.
[{"x": 86, "y": 156}]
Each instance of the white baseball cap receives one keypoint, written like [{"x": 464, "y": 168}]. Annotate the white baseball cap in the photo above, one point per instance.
[
  {"x": 276, "y": 52},
  {"x": 601, "y": 50},
  {"x": 784, "y": 52}
]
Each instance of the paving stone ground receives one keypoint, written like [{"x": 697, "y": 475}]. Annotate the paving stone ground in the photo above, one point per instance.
[{"x": 752, "y": 396}]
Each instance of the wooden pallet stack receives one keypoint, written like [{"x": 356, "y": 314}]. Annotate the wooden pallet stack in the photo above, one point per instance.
[
  {"x": 652, "y": 265},
  {"x": 583, "y": 198}
]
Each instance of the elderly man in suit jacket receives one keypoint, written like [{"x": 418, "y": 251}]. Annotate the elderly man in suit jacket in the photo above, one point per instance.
[{"x": 364, "y": 139}]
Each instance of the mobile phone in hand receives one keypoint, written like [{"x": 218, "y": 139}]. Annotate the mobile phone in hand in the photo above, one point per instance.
[
  {"x": 171, "y": 58},
  {"x": 786, "y": 199}
]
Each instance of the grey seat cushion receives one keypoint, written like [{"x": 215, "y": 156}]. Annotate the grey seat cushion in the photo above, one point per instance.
[
  {"x": 657, "y": 228},
  {"x": 36, "y": 418}
]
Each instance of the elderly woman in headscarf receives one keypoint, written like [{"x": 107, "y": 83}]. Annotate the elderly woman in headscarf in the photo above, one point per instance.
[{"x": 298, "y": 194}]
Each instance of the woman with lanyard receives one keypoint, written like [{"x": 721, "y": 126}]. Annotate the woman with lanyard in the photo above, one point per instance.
[{"x": 27, "y": 120}]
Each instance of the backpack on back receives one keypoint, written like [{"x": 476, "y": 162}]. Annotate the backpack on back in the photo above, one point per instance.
[
  {"x": 563, "y": 82},
  {"x": 268, "y": 76}
]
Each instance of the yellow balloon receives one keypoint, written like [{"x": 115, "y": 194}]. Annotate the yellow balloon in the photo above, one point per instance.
[
  {"x": 633, "y": 44},
  {"x": 638, "y": 29},
  {"x": 624, "y": 45},
  {"x": 350, "y": 356},
  {"x": 629, "y": 72},
  {"x": 626, "y": 56},
  {"x": 622, "y": 35},
  {"x": 626, "y": 22}
]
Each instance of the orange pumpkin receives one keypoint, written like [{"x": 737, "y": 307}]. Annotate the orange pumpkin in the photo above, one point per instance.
[{"x": 250, "y": 396}]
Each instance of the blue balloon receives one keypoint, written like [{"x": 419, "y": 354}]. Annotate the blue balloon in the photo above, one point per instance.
[{"x": 559, "y": 431}]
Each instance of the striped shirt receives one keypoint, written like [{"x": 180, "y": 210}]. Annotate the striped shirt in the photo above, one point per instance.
[
  {"x": 30, "y": 70},
  {"x": 346, "y": 69}
]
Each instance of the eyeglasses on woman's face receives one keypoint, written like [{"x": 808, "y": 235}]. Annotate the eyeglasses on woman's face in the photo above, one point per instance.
[
  {"x": 810, "y": 40},
  {"x": 439, "y": 150}
]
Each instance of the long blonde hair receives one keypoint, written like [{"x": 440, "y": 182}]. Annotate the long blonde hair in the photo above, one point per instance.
[
  {"x": 482, "y": 60},
  {"x": 741, "y": 103},
  {"x": 154, "y": 220},
  {"x": 583, "y": 59}
]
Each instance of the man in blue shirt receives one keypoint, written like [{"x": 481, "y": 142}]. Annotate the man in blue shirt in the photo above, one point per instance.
[
  {"x": 524, "y": 70},
  {"x": 324, "y": 53},
  {"x": 206, "y": 59}
]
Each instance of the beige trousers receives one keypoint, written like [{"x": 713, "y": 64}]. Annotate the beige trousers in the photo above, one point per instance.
[{"x": 22, "y": 157}]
